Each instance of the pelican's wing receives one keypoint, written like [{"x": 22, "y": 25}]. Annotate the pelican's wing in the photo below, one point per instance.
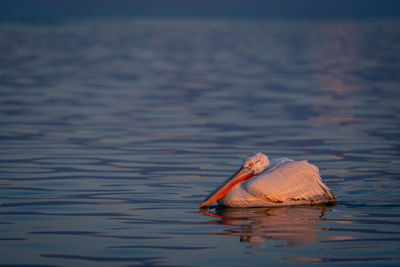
[{"x": 291, "y": 181}]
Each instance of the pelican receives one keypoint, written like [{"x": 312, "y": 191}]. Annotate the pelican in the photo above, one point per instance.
[{"x": 264, "y": 183}]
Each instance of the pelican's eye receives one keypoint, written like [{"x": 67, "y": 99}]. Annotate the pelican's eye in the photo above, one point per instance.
[{"x": 250, "y": 165}]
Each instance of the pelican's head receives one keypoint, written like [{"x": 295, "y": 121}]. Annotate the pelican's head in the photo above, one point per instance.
[
  {"x": 257, "y": 163},
  {"x": 252, "y": 166}
]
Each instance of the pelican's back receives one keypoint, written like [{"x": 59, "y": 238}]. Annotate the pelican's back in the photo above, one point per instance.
[{"x": 288, "y": 182}]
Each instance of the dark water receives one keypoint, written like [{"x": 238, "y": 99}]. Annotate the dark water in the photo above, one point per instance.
[{"x": 113, "y": 132}]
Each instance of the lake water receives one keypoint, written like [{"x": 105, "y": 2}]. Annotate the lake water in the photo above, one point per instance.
[{"x": 113, "y": 131}]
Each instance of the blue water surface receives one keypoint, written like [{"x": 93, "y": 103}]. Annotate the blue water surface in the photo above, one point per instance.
[{"x": 113, "y": 131}]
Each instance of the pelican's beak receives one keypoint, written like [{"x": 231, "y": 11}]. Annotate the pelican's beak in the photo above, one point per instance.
[{"x": 241, "y": 175}]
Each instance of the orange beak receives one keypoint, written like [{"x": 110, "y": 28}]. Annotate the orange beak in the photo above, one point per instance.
[{"x": 242, "y": 174}]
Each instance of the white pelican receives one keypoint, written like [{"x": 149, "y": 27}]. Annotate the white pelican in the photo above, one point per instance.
[{"x": 281, "y": 182}]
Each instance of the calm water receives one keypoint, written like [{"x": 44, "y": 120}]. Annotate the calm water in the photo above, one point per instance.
[{"x": 113, "y": 132}]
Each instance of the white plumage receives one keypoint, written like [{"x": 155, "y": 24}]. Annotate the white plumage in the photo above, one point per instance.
[{"x": 277, "y": 182}]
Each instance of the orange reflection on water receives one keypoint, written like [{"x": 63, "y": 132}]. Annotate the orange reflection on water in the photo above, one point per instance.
[
  {"x": 312, "y": 259},
  {"x": 342, "y": 39},
  {"x": 341, "y": 238},
  {"x": 339, "y": 60},
  {"x": 290, "y": 226}
]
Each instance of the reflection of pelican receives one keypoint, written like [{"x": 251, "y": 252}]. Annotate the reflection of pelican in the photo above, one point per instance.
[
  {"x": 291, "y": 226},
  {"x": 283, "y": 182}
]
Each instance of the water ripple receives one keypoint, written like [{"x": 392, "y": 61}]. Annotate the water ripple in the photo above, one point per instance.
[{"x": 113, "y": 131}]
